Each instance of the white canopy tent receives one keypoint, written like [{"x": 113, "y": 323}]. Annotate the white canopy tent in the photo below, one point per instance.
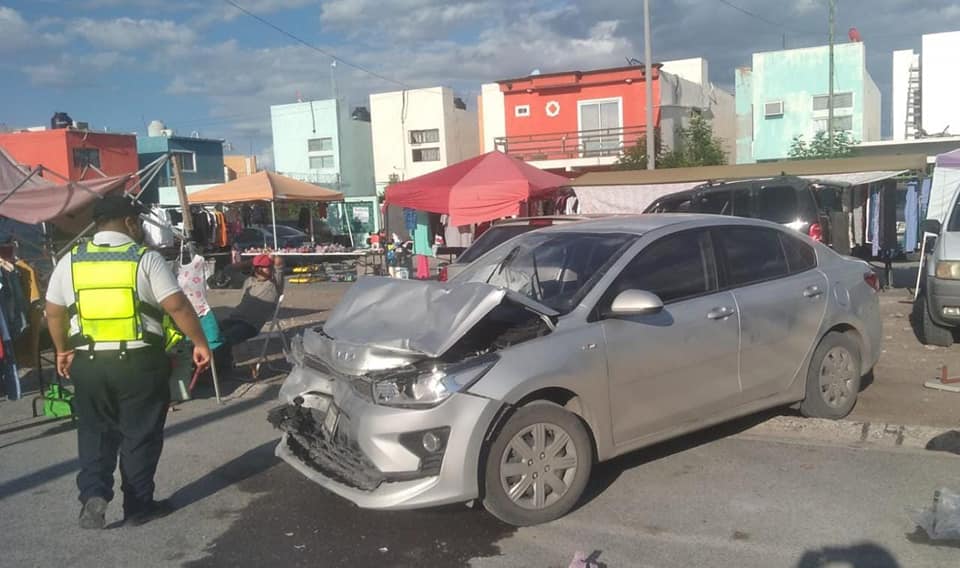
[{"x": 946, "y": 185}]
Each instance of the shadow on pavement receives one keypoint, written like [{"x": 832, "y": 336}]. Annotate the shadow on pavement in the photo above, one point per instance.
[
  {"x": 605, "y": 474},
  {"x": 253, "y": 462},
  {"x": 65, "y": 425},
  {"x": 294, "y": 522},
  {"x": 863, "y": 555},
  {"x": 39, "y": 477}
]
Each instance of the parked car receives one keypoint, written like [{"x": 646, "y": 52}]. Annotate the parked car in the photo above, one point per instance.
[
  {"x": 937, "y": 307},
  {"x": 259, "y": 237},
  {"x": 798, "y": 203},
  {"x": 567, "y": 346},
  {"x": 498, "y": 233}
]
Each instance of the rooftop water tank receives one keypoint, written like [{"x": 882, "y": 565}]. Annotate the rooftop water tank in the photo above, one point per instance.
[{"x": 156, "y": 128}]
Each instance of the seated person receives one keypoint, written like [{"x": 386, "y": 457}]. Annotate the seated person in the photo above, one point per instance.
[{"x": 256, "y": 307}]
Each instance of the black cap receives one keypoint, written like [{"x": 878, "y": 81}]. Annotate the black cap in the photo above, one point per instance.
[{"x": 115, "y": 207}]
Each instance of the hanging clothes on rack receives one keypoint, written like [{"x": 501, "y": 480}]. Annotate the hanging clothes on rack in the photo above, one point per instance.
[
  {"x": 9, "y": 374},
  {"x": 26, "y": 346},
  {"x": 222, "y": 229}
]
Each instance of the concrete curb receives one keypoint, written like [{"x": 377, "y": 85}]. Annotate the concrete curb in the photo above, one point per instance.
[{"x": 844, "y": 432}]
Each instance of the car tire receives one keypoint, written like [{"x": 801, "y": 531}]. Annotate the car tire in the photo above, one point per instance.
[
  {"x": 930, "y": 333},
  {"x": 833, "y": 378},
  {"x": 545, "y": 487}
]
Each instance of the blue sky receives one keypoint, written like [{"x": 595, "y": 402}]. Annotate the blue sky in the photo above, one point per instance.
[{"x": 201, "y": 65}]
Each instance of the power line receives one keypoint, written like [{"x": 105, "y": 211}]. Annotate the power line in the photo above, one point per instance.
[
  {"x": 768, "y": 20},
  {"x": 305, "y": 43}
]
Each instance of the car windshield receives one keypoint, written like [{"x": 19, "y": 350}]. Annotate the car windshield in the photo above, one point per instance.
[
  {"x": 494, "y": 237},
  {"x": 554, "y": 268}
]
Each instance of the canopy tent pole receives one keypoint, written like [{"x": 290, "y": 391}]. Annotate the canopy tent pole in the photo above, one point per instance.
[
  {"x": 273, "y": 214},
  {"x": 182, "y": 196},
  {"x": 22, "y": 183},
  {"x": 313, "y": 236}
]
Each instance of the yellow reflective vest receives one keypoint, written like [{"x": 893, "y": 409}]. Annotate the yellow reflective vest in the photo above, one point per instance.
[{"x": 108, "y": 308}]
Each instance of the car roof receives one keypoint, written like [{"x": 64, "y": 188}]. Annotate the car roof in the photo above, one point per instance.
[{"x": 641, "y": 224}]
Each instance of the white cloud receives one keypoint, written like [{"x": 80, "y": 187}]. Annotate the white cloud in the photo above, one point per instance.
[
  {"x": 17, "y": 34},
  {"x": 75, "y": 70},
  {"x": 124, "y": 34}
]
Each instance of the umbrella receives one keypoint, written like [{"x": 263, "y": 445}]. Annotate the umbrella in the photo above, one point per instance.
[{"x": 484, "y": 188}]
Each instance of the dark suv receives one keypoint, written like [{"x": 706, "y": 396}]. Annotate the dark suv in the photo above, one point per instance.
[{"x": 800, "y": 204}]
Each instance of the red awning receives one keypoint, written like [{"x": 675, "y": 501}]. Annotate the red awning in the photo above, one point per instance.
[{"x": 483, "y": 188}]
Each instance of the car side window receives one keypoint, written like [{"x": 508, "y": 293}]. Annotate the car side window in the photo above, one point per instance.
[
  {"x": 800, "y": 256},
  {"x": 752, "y": 255},
  {"x": 675, "y": 267},
  {"x": 777, "y": 204}
]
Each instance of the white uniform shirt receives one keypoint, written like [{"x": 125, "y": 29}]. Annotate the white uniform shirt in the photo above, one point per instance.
[{"x": 155, "y": 282}]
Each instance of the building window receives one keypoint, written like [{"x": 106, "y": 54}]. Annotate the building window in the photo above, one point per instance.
[
  {"x": 425, "y": 136},
  {"x": 83, "y": 157},
  {"x": 521, "y": 110},
  {"x": 773, "y": 109},
  {"x": 839, "y": 123},
  {"x": 321, "y": 162},
  {"x": 188, "y": 161},
  {"x": 426, "y": 154},
  {"x": 840, "y": 100},
  {"x": 600, "y": 126},
  {"x": 320, "y": 145}
]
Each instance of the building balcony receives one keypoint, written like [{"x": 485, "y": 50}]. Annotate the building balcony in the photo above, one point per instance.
[{"x": 607, "y": 144}]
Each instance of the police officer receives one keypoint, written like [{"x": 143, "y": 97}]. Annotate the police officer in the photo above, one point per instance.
[{"x": 105, "y": 305}]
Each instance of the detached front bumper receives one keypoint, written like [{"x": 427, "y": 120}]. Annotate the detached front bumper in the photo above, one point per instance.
[{"x": 370, "y": 457}]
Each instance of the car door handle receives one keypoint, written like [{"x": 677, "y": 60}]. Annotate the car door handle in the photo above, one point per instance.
[
  {"x": 812, "y": 291},
  {"x": 719, "y": 313}
]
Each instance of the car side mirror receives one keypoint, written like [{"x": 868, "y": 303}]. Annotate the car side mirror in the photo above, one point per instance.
[
  {"x": 635, "y": 303},
  {"x": 932, "y": 226}
]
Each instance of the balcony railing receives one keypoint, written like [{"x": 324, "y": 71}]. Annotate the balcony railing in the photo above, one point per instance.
[
  {"x": 326, "y": 180},
  {"x": 568, "y": 145}
]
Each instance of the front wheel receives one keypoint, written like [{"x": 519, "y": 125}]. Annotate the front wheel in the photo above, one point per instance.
[
  {"x": 538, "y": 465},
  {"x": 833, "y": 378},
  {"x": 930, "y": 332}
]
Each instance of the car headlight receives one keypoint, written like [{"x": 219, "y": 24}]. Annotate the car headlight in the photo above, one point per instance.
[
  {"x": 432, "y": 387},
  {"x": 949, "y": 270}
]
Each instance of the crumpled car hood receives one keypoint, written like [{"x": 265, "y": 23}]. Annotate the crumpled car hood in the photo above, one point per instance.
[{"x": 416, "y": 317}]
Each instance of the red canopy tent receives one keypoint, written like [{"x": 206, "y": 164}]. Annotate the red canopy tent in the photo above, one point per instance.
[{"x": 484, "y": 188}]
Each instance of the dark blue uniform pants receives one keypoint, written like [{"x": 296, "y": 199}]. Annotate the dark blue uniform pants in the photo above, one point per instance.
[{"x": 121, "y": 405}]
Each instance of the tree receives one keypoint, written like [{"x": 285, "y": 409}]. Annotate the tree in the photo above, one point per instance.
[
  {"x": 696, "y": 146},
  {"x": 819, "y": 148}
]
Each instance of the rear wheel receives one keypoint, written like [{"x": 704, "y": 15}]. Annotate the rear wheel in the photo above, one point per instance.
[
  {"x": 930, "y": 333},
  {"x": 538, "y": 465},
  {"x": 833, "y": 378}
]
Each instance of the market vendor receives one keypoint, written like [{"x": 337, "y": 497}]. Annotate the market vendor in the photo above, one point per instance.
[{"x": 256, "y": 306}]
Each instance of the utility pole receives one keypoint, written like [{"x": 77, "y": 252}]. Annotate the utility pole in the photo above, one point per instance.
[
  {"x": 830, "y": 90},
  {"x": 648, "y": 84}
]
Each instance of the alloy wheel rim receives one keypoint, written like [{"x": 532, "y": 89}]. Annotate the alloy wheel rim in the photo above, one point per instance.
[
  {"x": 837, "y": 377},
  {"x": 538, "y": 466}
]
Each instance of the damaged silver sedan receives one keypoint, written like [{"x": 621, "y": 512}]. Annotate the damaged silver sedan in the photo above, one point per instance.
[{"x": 567, "y": 346}]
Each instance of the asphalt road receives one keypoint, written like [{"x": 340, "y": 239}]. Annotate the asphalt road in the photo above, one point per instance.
[{"x": 715, "y": 499}]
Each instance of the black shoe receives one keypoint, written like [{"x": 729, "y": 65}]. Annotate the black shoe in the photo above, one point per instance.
[
  {"x": 151, "y": 511},
  {"x": 93, "y": 513}
]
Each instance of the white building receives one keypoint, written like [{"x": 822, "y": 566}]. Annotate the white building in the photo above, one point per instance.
[
  {"x": 419, "y": 131},
  {"x": 925, "y": 88}
]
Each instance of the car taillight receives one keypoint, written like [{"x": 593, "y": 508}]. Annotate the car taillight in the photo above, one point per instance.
[
  {"x": 816, "y": 232},
  {"x": 443, "y": 274},
  {"x": 872, "y": 280}
]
